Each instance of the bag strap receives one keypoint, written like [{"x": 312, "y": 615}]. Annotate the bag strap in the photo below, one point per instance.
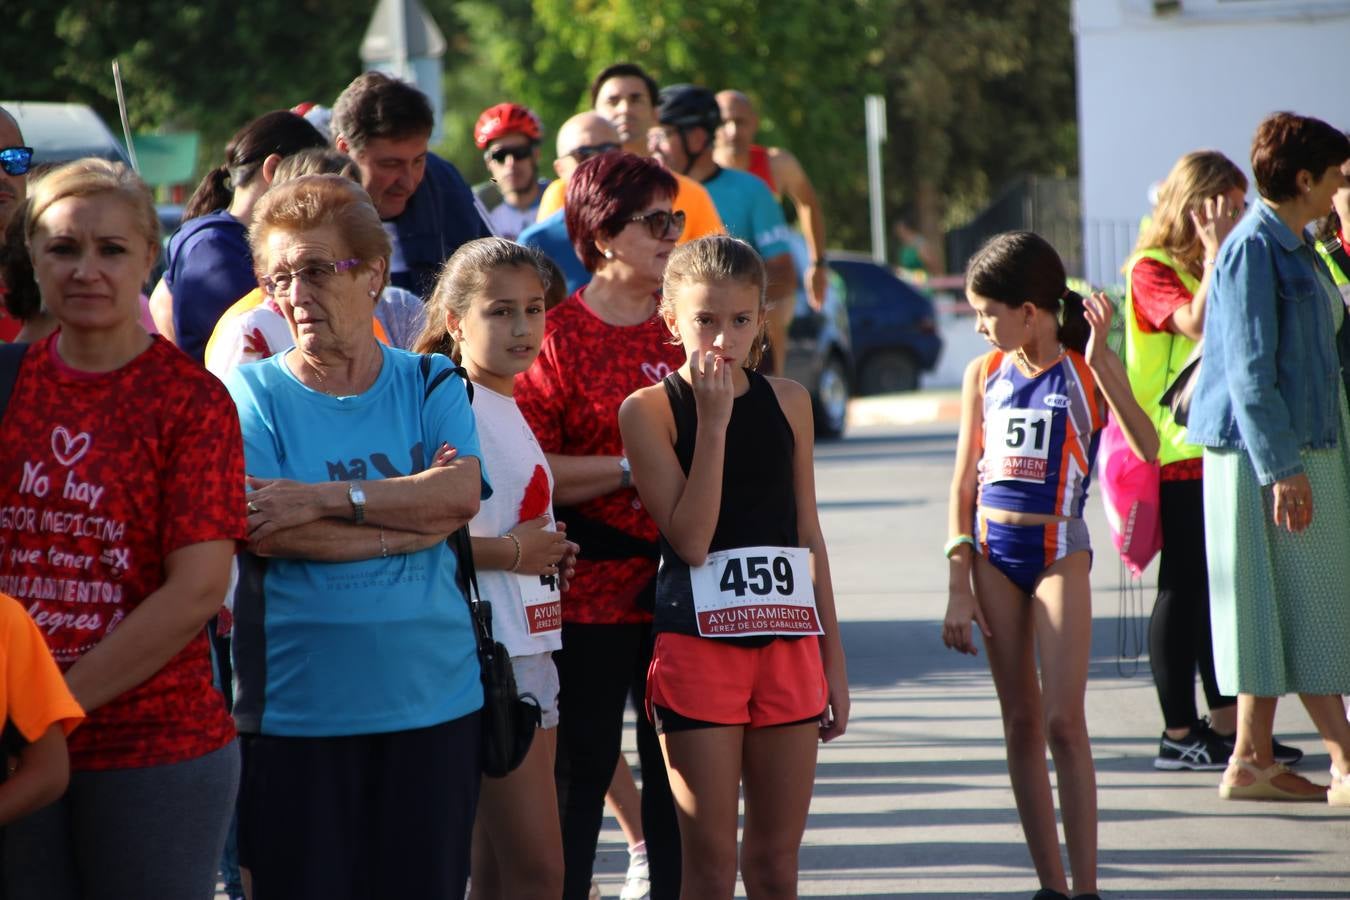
[
  {"x": 11, "y": 358},
  {"x": 466, "y": 573},
  {"x": 1336, "y": 250}
]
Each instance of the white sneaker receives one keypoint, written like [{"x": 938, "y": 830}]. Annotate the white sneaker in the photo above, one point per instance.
[{"x": 637, "y": 885}]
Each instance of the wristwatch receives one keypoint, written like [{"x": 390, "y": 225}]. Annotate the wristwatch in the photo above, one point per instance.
[
  {"x": 358, "y": 498},
  {"x": 625, "y": 473}
]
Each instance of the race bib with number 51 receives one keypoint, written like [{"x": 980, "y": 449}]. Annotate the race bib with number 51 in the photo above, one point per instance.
[
  {"x": 1018, "y": 444},
  {"x": 755, "y": 591}
]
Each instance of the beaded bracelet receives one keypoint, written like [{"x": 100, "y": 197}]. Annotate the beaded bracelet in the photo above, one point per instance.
[{"x": 515, "y": 564}]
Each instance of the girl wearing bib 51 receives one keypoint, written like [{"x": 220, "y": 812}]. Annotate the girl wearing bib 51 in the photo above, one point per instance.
[
  {"x": 487, "y": 310},
  {"x": 748, "y": 671},
  {"x": 1032, "y": 410}
]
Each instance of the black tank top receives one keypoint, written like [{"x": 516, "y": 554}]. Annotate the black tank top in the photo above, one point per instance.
[{"x": 759, "y": 502}]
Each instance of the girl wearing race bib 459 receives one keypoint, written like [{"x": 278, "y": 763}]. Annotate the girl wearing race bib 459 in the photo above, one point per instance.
[
  {"x": 748, "y": 670},
  {"x": 1031, "y": 413}
]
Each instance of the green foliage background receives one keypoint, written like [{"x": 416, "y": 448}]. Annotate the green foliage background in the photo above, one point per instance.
[{"x": 977, "y": 91}]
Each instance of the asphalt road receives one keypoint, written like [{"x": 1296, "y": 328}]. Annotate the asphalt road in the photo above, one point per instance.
[{"x": 914, "y": 801}]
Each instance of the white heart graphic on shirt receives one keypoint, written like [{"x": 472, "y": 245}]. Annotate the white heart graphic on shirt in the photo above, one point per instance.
[
  {"x": 656, "y": 372},
  {"x": 69, "y": 450}
]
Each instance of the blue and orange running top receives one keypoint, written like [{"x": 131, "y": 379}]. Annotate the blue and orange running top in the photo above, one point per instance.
[{"x": 1040, "y": 435}]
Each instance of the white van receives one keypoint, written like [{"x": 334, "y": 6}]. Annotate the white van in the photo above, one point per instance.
[{"x": 60, "y": 132}]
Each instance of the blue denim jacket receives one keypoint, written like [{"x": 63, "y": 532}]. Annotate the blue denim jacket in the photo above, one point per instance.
[{"x": 1270, "y": 380}]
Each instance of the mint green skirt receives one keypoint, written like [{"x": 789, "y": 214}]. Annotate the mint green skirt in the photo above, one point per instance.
[{"x": 1279, "y": 602}]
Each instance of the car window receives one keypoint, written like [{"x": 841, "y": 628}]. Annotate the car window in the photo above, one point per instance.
[{"x": 862, "y": 289}]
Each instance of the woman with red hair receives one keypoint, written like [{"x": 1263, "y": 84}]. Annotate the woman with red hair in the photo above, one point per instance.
[{"x": 600, "y": 345}]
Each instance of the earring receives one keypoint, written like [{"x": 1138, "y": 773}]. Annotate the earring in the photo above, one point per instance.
[
  {"x": 609, "y": 254},
  {"x": 373, "y": 293}
]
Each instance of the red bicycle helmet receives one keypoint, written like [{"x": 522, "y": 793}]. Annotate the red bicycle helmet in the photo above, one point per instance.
[{"x": 505, "y": 118}]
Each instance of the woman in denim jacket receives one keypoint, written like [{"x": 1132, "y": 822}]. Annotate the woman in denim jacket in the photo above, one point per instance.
[{"x": 1270, "y": 409}]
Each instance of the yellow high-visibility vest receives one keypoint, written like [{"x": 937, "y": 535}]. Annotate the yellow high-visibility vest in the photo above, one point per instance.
[{"x": 1153, "y": 360}]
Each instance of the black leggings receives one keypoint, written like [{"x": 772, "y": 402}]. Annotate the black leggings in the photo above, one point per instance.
[
  {"x": 599, "y": 667},
  {"x": 1178, "y": 632}
]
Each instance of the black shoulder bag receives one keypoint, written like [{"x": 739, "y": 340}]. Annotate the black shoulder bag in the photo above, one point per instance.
[
  {"x": 1178, "y": 395},
  {"x": 509, "y": 718}
]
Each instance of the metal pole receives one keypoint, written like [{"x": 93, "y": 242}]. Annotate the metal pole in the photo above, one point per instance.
[
  {"x": 400, "y": 41},
  {"x": 875, "y": 107},
  {"x": 122, "y": 111}
]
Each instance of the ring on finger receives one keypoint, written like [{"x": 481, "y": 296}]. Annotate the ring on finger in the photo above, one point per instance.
[{"x": 253, "y": 507}]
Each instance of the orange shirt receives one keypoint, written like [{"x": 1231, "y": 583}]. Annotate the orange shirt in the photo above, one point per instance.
[
  {"x": 700, "y": 216},
  {"x": 33, "y": 695}
]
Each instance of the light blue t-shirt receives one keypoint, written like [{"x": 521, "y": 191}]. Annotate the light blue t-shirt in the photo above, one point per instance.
[
  {"x": 749, "y": 211},
  {"x": 377, "y": 645}
]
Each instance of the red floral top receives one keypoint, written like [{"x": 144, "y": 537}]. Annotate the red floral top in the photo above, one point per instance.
[{"x": 571, "y": 397}]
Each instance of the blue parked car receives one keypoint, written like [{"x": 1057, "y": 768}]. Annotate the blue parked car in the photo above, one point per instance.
[
  {"x": 818, "y": 354},
  {"x": 893, "y": 327}
]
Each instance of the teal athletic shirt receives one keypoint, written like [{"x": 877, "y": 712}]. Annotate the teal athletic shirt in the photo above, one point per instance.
[
  {"x": 326, "y": 649},
  {"x": 749, "y": 211}
]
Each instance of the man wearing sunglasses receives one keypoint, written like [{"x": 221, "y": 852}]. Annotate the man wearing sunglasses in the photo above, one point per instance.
[
  {"x": 14, "y": 161},
  {"x": 580, "y": 137},
  {"x": 625, "y": 95},
  {"x": 508, "y": 134},
  {"x": 684, "y": 141}
]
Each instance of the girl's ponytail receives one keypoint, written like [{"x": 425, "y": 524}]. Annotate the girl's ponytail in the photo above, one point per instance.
[
  {"x": 212, "y": 194},
  {"x": 1074, "y": 330},
  {"x": 1019, "y": 267}
]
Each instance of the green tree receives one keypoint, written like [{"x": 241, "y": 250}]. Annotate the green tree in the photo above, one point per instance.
[
  {"x": 204, "y": 66},
  {"x": 977, "y": 93}
]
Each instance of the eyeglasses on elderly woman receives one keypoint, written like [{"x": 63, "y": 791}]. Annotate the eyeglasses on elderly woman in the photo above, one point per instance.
[{"x": 314, "y": 274}]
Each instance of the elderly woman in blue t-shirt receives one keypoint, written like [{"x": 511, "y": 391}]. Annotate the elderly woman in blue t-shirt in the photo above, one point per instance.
[{"x": 358, "y": 680}]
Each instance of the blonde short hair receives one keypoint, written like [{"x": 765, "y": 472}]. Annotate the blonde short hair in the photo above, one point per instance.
[
  {"x": 89, "y": 177},
  {"x": 316, "y": 201}
]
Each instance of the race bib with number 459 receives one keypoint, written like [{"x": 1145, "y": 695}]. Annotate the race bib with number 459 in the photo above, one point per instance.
[
  {"x": 754, "y": 591},
  {"x": 1018, "y": 444}
]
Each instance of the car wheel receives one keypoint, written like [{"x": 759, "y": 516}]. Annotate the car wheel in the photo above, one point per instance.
[
  {"x": 889, "y": 372},
  {"x": 830, "y": 398}
]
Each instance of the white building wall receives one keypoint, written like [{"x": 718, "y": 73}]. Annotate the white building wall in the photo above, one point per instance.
[{"x": 1153, "y": 86}]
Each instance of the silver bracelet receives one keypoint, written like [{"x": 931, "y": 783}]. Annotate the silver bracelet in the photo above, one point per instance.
[{"x": 384, "y": 548}]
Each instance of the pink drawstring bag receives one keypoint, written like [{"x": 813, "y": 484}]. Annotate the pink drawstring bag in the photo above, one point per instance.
[{"x": 1130, "y": 494}]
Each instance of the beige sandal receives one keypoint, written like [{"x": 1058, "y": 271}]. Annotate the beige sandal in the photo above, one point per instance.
[
  {"x": 1338, "y": 794},
  {"x": 1263, "y": 786}
]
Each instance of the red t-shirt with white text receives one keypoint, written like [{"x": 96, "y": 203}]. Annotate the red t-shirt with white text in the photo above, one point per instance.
[
  {"x": 102, "y": 476},
  {"x": 571, "y": 397}
]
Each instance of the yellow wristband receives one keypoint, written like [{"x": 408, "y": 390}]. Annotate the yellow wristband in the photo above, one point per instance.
[{"x": 957, "y": 542}]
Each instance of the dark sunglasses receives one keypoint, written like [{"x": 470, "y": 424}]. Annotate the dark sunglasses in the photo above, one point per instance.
[
  {"x": 661, "y": 224},
  {"x": 501, "y": 154},
  {"x": 16, "y": 160},
  {"x": 581, "y": 154}
]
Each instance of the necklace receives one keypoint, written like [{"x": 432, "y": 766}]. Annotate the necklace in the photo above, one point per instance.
[{"x": 1028, "y": 366}]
